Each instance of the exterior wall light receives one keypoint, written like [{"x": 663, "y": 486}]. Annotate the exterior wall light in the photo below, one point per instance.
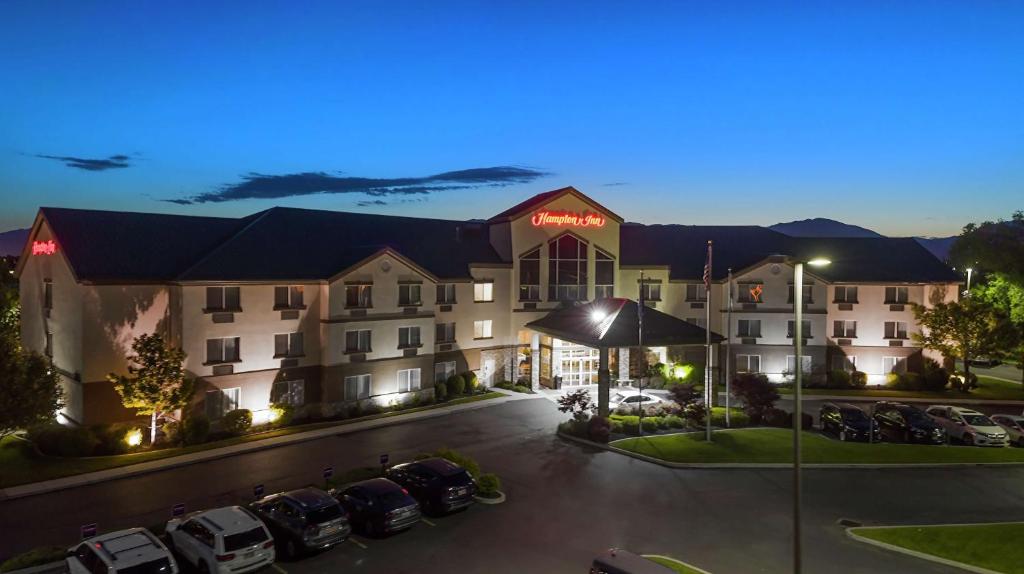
[{"x": 133, "y": 438}]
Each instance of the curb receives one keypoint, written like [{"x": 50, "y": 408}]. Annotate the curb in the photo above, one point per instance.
[
  {"x": 851, "y": 532},
  {"x": 141, "y": 468},
  {"x": 483, "y": 500},
  {"x": 679, "y": 562}
]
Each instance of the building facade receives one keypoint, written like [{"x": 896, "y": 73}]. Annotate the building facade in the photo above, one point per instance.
[{"x": 324, "y": 310}]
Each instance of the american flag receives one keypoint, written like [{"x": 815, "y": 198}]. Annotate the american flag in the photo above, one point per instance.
[{"x": 707, "y": 269}]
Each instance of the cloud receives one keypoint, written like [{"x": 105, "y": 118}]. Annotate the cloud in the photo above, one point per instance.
[
  {"x": 615, "y": 184},
  {"x": 112, "y": 162},
  {"x": 264, "y": 186}
]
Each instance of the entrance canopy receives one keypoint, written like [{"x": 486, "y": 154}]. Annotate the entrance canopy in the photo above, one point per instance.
[{"x": 614, "y": 322}]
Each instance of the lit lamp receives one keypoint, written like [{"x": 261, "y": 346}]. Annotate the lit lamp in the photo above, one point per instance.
[{"x": 970, "y": 271}]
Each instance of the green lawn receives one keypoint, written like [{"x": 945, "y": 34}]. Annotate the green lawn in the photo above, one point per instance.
[
  {"x": 993, "y": 546},
  {"x": 988, "y": 388},
  {"x": 20, "y": 465},
  {"x": 766, "y": 445},
  {"x": 675, "y": 565}
]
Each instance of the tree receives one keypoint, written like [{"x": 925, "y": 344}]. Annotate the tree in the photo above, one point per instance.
[
  {"x": 960, "y": 329},
  {"x": 576, "y": 403},
  {"x": 1007, "y": 297},
  {"x": 992, "y": 247},
  {"x": 156, "y": 383},
  {"x": 684, "y": 395},
  {"x": 756, "y": 392}
]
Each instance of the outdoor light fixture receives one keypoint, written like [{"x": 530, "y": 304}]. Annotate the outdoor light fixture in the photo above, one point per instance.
[
  {"x": 133, "y": 438},
  {"x": 819, "y": 262},
  {"x": 598, "y": 315},
  {"x": 682, "y": 371}
]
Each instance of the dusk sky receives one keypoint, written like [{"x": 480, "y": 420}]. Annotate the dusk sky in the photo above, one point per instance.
[{"x": 902, "y": 117}]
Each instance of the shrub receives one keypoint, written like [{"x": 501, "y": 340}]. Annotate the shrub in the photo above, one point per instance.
[
  {"x": 109, "y": 439},
  {"x": 650, "y": 424},
  {"x": 935, "y": 377},
  {"x": 356, "y": 410},
  {"x": 59, "y": 440},
  {"x": 756, "y": 392},
  {"x": 281, "y": 414},
  {"x": 912, "y": 381},
  {"x": 172, "y": 432},
  {"x": 456, "y": 385},
  {"x": 616, "y": 427},
  {"x": 35, "y": 557},
  {"x": 963, "y": 384},
  {"x": 695, "y": 415},
  {"x": 195, "y": 429},
  {"x": 372, "y": 409},
  {"x": 674, "y": 422},
  {"x": 472, "y": 383},
  {"x": 508, "y": 386},
  {"x": 488, "y": 485},
  {"x": 774, "y": 417},
  {"x": 576, "y": 403},
  {"x": 440, "y": 391},
  {"x": 598, "y": 429},
  {"x": 893, "y": 380},
  {"x": 806, "y": 419},
  {"x": 858, "y": 379},
  {"x": 683, "y": 395},
  {"x": 522, "y": 389},
  {"x": 737, "y": 418},
  {"x": 839, "y": 379},
  {"x": 458, "y": 458},
  {"x": 237, "y": 422}
]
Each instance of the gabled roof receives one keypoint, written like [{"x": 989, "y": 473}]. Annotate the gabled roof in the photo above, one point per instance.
[{"x": 546, "y": 197}]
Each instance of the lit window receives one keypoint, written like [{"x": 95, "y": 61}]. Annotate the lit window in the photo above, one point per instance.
[
  {"x": 357, "y": 387},
  {"x": 408, "y": 380},
  {"x": 358, "y": 296},
  {"x": 894, "y": 365},
  {"x": 223, "y": 350},
  {"x": 408, "y": 294},
  {"x": 288, "y": 393},
  {"x": 443, "y": 370},
  {"x": 221, "y": 401},
  {"x": 567, "y": 269},
  {"x": 357, "y": 341},
  {"x": 408, "y": 337},
  {"x": 482, "y": 329},
  {"x": 483, "y": 292},
  {"x": 223, "y": 299},
  {"x": 750, "y": 293},
  {"x": 288, "y": 345},
  {"x": 288, "y": 297}
]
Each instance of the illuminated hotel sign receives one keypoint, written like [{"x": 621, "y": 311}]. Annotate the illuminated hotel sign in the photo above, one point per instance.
[
  {"x": 44, "y": 247},
  {"x": 566, "y": 219}
]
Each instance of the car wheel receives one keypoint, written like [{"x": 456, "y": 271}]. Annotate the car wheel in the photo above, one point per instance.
[
  {"x": 203, "y": 567},
  {"x": 968, "y": 439},
  {"x": 291, "y": 550},
  {"x": 370, "y": 529},
  {"x": 1020, "y": 442}
]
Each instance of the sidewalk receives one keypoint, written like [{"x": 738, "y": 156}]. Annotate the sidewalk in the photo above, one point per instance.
[{"x": 67, "y": 482}]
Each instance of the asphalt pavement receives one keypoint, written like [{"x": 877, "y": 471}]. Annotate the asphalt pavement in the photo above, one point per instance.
[{"x": 565, "y": 503}]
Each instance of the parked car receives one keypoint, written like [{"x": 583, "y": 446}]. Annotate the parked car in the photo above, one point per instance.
[
  {"x": 903, "y": 423},
  {"x": 132, "y": 551},
  {"x": 847, "y": 422},
  {"x": 438, "y": 484},
  {"x": 303, "y": 520},
  {"x": 631, "y": 400},
  {"x": 1014, "y": 427},
  {"x": 379, "y": 506},
  {"x": 619, "y": 561},
  {"x": 228, "y": 540},
  {"x": 987, "y": 362},
  {"x": 968, "y": 425}
]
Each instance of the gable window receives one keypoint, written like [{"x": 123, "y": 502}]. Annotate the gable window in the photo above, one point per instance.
[
  {"x": 749, "y": 328},
  {"x": 408, "y": 380},
  {"x": 846, "y": 294},
  {"x": 288, "y": 345},
  {"x": 805, "y": 363},
  {"x": 221, "y": 401},
  {"x": 808, "y": 294},
  {"x": 806, "y": 329},
  {"x": 650, "y": 291},
  {"x": 223, "y": 350},
  {"x": 408, "y": 337},
  {"x": 748, "y": 363},
  {"x": 223, "y": 299},
  {"x": 443, "y": 370},
  {"x": 357, "y": 341},
  {"x": 696, "y": 292},
  {"x": 844, "y": 363},
  {"x": 409, "y": 294},
  {"x": 567, "y": 269},
  {"x": 895, "y": 329},
  {"x": 47, "y": 294},
  {"x": 288, "y": 297},
  {"x": 483, "y": 292},
  {"x": 288, "y": 393},
  {"x": 844, "y": 329},
  {"x": 750, "y": 293},
  {"x": 482, "y": 329},
  {"x": 896, "y": 295},
  {"x": 358, "y": 296},
  {"x": 445, "y": 293},
  {"x": 357, "y": 387},
  {"x": 529, "y": 276},
  {"x": 604, "y": 275},
  {"x": 444, "y": 333}
]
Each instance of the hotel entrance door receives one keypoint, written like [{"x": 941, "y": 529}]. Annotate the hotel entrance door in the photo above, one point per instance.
[{"x": 579, "y": 366}]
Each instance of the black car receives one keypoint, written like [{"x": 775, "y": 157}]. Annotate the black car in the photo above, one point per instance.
[
  {"x": 847, "y": 422},
  {"x": 303, "y": 520},
  {"x": 379, "y": 506},
  {"x": 904, "y": 423},
  {"x": 438, "y": 484}
]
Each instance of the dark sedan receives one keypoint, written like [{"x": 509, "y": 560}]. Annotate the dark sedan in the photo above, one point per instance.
[
  {"x": 438, "y": 484},
  {"x": 904, "y": 423},
  {"x": 847, "y": 422},
  {"x": 379, "y": 506}
]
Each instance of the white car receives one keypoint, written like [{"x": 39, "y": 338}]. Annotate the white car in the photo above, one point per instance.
[
  {"x": 1014, "y": 427},
  {"x": 229, "y": 540},
  {"x": 968, "y": 426},
  {"x": 133, "y": 551},
  {"x": 629, "y": 400}
]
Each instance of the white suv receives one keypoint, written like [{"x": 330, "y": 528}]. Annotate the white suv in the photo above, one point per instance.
[
  {"x": 969, "y": 426},
  {"x": 229, "y": 540},
  {"x": 133, "y": 551}
]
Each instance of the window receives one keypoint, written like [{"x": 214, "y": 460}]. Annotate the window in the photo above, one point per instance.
[
  {"x": 805, "y": 363},
  {"x": 895, "y": 295},
  {"x": 47, "y": 294},
  {"x": 805, "y": 328},
  {"x": 288, "y": 297},
  {"x": 696, "y": 292},
  {"x": 357, "y": 387},
  {"x": 49, "y": 344},
  {"x": 221, "y": 401},
  {"x": 358, "y": 296},
  {"x": 288, "y": 345},
  {"x": 650, "y": 291},
  {"x": 529, "y": 276},
  {"x": 844, "y": 329},
  {"x": 444, "y": 333},
  {"x": 408, "y": 380},
  {"x": 750, "y": 293},
  {"x": 483, "y": 292},
  {"x": 604, "y": 275},
  {"x": 844, "y": 363},
  {"x": 223, "y": 350},
  {"x": 749, "y": 328},
  {"x": 895, "y": 329},
  {"x": 446, "y": 294},
  {"x": 357, "y": 341},
  {"x": 846, "y": 294},
  {"x": 288, "y": 393},
  {"x": 748, "y": 363},
  {"x": 223, "y": 299},
  {"x": 808, "y": 293},
  {"x": 482, "y": 329},
  {"x": 567, "y": 269},
  {"x": 443, "y": 370},
  {"x": 701, "y": 322},
  {"x": 409, "y": 294},
  {"x": 894, "y": 365},
  {"x": 408, "y": 337}
]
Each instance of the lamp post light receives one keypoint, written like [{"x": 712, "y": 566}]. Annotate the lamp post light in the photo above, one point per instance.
[
  {"x": 798, "y": 333},
  {"x": 970, "y": 271}
]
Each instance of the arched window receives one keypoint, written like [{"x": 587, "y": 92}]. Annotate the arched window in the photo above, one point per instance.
[
  {"x": 529, "y": 276},
  {"x": 604, "y": 275},
  {"x": 567, "y": 269}
]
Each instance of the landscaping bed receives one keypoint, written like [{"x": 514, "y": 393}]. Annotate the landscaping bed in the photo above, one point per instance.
[
  {"x": 993, "y": 546},
  {"x": 988, "y": 389}
]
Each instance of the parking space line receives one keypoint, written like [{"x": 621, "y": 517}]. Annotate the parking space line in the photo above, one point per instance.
[
  {"x": 428, "y": 521},
  {"x": 357, "y": 543},
  {"x": 279, "y": 569}
]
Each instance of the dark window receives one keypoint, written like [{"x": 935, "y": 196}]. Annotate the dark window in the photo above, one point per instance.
[
  {"x": 749, "y": 328},
  {"x": 223, "y": 299},
  {"x": 846, "y": 294},
  {"x": 446, "y": 293},
  {"x": 445, "y": 333},
  {"x": 325, "y": 514},
  {"x": 808, "y": 294},
  {"x": 604, "y": 275},
  {"x": 288, "y": 297},
  {"x": 696, "y": 292},
  {"x": 567, "y": 269},
  {"x": 895, "y": 330},
  {"x": 288, "y": 345},
  {"x": 244, "y": 539},
  {"x": 806, "y": 328},
  {"x": 844, "y": 329},
  {"x": 49, "y": 344},
  {"x": 357, "y": 341},
  {"x": 358, "y": 296},
  {"x": 408, "y": 337},
  {"x": 896, "y": 295},
  {"x": 409, "y": 295},
  {"x": 529, "y": 276},
  {"x": 224, "y": 350},
  {"x": 47, "y": 294},
  {"x": 357, "y": 387},
  {"x": 650, "y": 291}
]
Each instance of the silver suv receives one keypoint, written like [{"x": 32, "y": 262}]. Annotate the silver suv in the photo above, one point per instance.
[
  {"x": 132, "y": 551},
  {"x": 229, "y": 540}
]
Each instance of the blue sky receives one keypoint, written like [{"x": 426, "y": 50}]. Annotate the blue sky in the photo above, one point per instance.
[{"x": 902, "y": 117}]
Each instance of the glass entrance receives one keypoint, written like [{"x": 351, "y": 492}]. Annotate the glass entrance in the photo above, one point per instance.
[{"x": 579, "y": 365}]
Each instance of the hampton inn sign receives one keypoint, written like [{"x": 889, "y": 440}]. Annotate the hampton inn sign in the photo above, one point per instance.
[{"x": 567, "y": 219}]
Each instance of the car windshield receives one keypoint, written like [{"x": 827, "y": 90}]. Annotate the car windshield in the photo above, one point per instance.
[
  {"x": 324, "y": 514},
  {"x": 393, "y": 499},
  {"x": 854, "y": 415},
  {"x": 244, "y": 539},
  {"x": 158, "y": 566},
  {"x": 457, "y": 479},
  {"x": 978, "y": 420},
  {"x": 915, "y": 415}
]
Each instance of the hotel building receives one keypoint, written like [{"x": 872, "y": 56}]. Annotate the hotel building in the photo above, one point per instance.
[{"x": 326, "y": 309}]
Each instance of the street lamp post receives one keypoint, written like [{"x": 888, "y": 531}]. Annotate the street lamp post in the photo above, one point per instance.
[{"x": 970, "y": 271}]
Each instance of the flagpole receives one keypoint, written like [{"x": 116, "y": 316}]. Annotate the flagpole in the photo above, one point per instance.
[
  {"x": 728, "y": 347},
  {"x": 709, "y": 383},
  {"x": 643, "y": 356}
]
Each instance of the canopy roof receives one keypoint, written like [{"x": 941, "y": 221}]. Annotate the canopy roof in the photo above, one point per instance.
[{"x": 614, "y": 322}]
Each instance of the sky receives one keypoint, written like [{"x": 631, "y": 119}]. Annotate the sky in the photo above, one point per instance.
[{"x": 901, "y": 117}]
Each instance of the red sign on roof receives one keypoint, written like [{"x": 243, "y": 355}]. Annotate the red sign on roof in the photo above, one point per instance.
[
  {"x": 44, "y": 247},
  {"x": 567, "y": 219}
]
